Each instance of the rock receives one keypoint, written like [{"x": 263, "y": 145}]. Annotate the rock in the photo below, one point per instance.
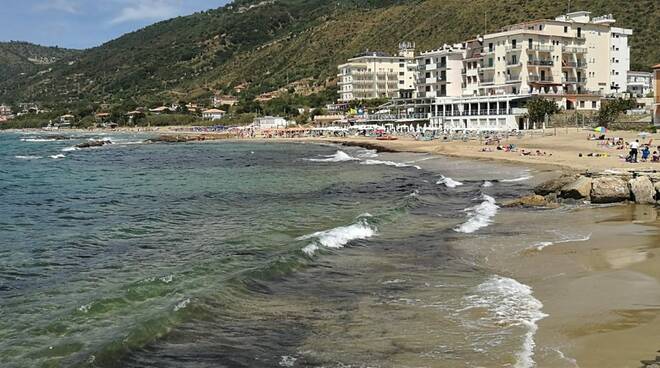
[
  {"x": 554, "y": 185},
  {"x": 643, "y": 191},
  {"x": 609, "y": 189},
  {"x": 529, "y": 201},
  {"x": 579, "y": 189},
  {"x": 91, "y": 144},
  {"x": 170, "y": 139},
  {"x": 657, "y": 191}
]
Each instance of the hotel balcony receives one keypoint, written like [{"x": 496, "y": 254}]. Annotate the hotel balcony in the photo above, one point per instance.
[
  {"x": 572, "y": 80},
  {"x": 541, "y": 62},
  {"x": 510, "y": 48},
  {"x": 487, "y": 81},
  {"x": 516, "y": 64},
  {"x": 542, "y": 48},
  {"x": 488, "y": 52},
  {"x": 574, "y": 64},
  {"x": 574, "y": 49},
  {"x": 538, "y": 79},
  {"x": 513, "y": 78}
]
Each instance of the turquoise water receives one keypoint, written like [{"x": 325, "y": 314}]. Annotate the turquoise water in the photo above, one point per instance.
[{"x": 234, "y": 254}]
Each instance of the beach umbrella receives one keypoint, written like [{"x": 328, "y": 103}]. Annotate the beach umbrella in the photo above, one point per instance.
[{"x": 600, "y": 130}]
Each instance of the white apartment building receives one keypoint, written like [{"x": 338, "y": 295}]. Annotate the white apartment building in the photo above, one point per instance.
[
  {"x": 439, "y": 72},
  {"x": 378, "y": 75},
  {"x": 619, "y": 58},
  {"x": 640, "y": 84}
]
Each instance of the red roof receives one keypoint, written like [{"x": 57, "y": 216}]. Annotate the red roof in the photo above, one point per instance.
[{"x": 656, "y": 66}]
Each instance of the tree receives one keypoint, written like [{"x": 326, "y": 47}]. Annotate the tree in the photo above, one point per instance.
[
  {"x": 610, "y": 110},
  {"x": 538, "y": 107}
]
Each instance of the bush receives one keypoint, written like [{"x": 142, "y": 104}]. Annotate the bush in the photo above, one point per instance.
[{"x": 538, "y": 107}]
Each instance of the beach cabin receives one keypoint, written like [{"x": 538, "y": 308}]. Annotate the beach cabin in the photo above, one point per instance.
[{"x": 213, "y": 114}]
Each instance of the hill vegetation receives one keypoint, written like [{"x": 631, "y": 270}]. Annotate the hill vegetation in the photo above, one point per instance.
[
  {"x": 266, "y": 45},
  {"x": 23, "y": 57}
]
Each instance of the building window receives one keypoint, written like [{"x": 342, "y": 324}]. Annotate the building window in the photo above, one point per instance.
[
  {"x": 565, "y": 29},
  {"x": 582, "y": 104},
  {"x": 593, "y": 104},
  {"x": 428, "y": 61}
]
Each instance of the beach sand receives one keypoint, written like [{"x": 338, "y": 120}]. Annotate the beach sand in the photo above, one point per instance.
[{"x": 562, "y": 149}]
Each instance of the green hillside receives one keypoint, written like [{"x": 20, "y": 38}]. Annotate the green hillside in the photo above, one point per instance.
[
  {"x": 23, "y": 57},
  {"x": 270, "y": 43}
]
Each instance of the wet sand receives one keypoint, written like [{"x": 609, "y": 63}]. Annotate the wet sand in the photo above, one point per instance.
[{"x": 601, "y": 295}]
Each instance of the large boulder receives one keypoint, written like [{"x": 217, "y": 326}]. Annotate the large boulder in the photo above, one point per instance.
[
  {"x": 657, "y": 192},
  {"x": 579, "y": 189},
  {"x": 609, "y": 189},
  {"x": 642, "y": 190},
  {"x": 90, "y": 144},
  {"x": 555, "y": 185}
]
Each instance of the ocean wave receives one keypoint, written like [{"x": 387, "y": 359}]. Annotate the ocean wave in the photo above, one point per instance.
[
  {"x": 28, "y": 157},
  {"x": 480, "y": 215},
  {"x": 367, "y": 153},
  {"x": 70, "y": 149},
  {"x": 339, "y": 236},
  {"x": 34, "y": 140},
  {"x": 339, "y": 156},
  {"x": 541, "y": 245},
  {"x": 389, "y": 163},
  {"x": 449, "y": 182},
  {"x": 511, "y": 304},
  {"x": 487, "y": 184},
  {"x": 58, "y": 156},
  {"x": 182, "y": 304},
  {"x": 522, "y": 178}
]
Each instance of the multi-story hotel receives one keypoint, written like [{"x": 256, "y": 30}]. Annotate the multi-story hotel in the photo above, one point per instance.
[
  {"x": 574, "y": 60},
  {"x": 377, "y": 75}
]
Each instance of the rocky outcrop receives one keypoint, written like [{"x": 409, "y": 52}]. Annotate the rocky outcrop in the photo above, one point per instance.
[
  {"x": 91, "y": 144},
  {"x": 579, "y": 189},
  {"x": 642, "y": 190},
  {"x": 610, "y": 186},
  {"x": 609, "y": 189},
  {"x": 530, "y": 201},
  {"x": 555, "y": 185}
]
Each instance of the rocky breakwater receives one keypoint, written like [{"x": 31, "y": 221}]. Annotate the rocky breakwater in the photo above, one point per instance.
[
  {"x": 641, "y": 187},
  {"x": 183, "y": 138},
  {"x": 91, "y": 144}
]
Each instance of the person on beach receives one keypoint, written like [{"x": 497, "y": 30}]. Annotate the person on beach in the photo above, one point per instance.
[
  {"x": 646, "y": 152},
  {"x": 634, "y": 146},
  {"x": 655, "y": 157}
]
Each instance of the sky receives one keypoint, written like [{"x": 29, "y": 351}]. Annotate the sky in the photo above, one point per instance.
[{"x": 87, "y": 23}]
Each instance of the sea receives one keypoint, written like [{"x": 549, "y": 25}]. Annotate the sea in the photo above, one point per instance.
[{"x": 254, "y": 254}]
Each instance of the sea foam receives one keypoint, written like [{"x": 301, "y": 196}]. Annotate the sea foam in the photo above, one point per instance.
[
  {"x": 541, "y": 245},
  {"x": 339, "y": 156},
  {"x": 28, "y": 157},
  {"x": 480, "y": 215},
  {"x": 522, "y": 178},
  {"x": 389, "y": 163},
  {"x": 511, "y": 304},
  {"x": 58, "y": 156},
  {"x": 367, "y": 153},
  {"x": 339, "y": 236},
  {"x": 449, "y": 182},
  {"x": 70, "y": 149}
]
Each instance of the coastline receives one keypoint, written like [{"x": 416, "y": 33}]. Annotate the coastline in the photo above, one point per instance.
[{"x": 619, "y": 257}]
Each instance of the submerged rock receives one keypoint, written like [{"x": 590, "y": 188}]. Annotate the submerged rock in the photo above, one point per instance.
[
  {"x": 166, "y": 138},
  {"x": 91, "y": 144},
  {"x": 642, "y": 190},
  {"x": 579, "y": 189},
  {"x": 534, "y": 200},
  {"x": 609, "y": 189}
]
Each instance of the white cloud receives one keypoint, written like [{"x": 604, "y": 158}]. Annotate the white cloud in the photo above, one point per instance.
[
  {"x": 68, "y": 6},
  {"x": 147, "y": 10}
]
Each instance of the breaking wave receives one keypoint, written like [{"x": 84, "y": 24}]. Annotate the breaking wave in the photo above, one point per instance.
[
  {"x": 487, "y": 184},
  {"x": 70, "y": 149},
  {"x": 28, "y": 157},
  {"x": 510, "y": 304},
  {"x": 540, "y": 245},
  {"x": 367, "y": 153},
  {"x": 388, "y": 163},
  {"x": 339, "y": 156},
  {"x": 480, "y": 215},
  {"x": 449, "y": 182},
  {"x": 339, "y": 236},
  {"x": 522, "y": 178},
  {"x": 58, "y": 156}
]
